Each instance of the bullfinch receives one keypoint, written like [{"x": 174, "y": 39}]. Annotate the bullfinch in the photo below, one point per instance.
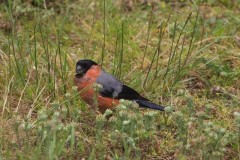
[{"x": 111, "y": 90}]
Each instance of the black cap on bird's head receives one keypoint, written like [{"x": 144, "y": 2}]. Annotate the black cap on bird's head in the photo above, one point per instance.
[{"x": 82, "y": 66}]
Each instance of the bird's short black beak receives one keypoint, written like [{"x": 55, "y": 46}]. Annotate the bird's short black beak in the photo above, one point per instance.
[{"x": 79, "y": 70}]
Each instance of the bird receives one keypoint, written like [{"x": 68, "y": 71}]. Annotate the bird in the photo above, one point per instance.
[{"x": 111, "y": 90}]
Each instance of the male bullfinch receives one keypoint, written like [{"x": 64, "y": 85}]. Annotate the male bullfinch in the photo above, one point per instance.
[{"x": 111, "y": 91}]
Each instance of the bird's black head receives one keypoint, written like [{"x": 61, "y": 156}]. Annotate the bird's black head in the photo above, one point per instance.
[{"x": 83, "y": 66}]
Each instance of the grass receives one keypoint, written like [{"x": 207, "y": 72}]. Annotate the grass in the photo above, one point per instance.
[{"x": 183, "y": 55}]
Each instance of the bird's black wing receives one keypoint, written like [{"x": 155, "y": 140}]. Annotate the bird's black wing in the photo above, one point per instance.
[
  {"x": 130, "y": 94},
  {"x": 111, "y": 87}
]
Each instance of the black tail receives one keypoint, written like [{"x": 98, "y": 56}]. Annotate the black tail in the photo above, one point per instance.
[{"x": 148, "y": 104}]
